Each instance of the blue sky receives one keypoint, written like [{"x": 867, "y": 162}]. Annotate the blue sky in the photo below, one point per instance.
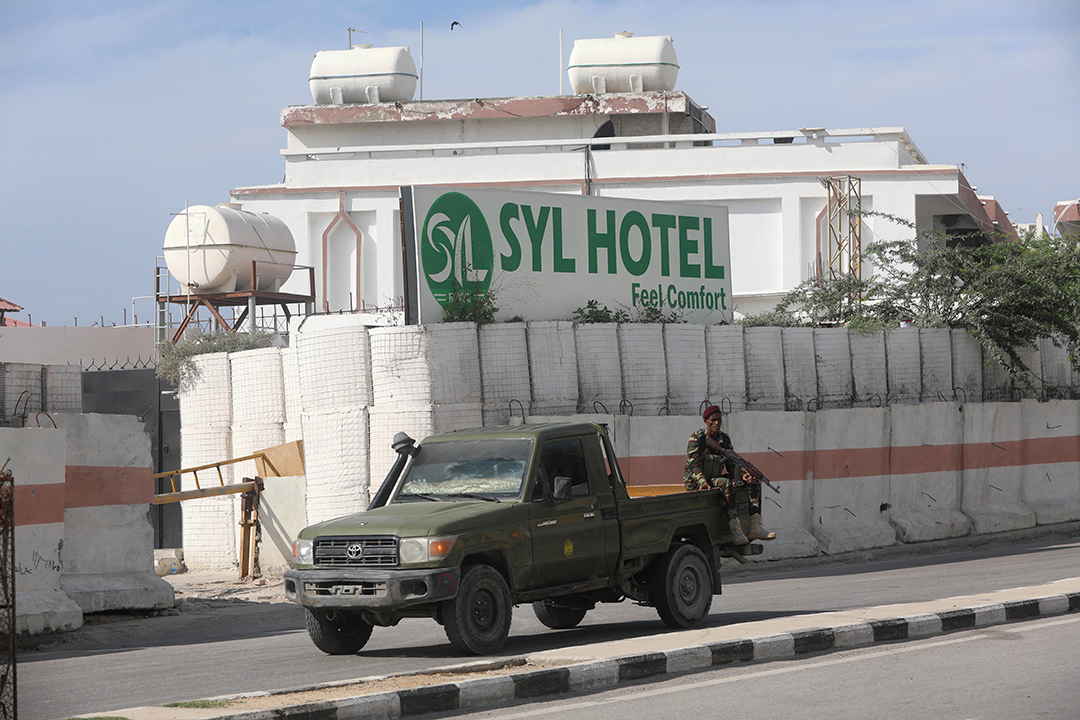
[{"x": 116, "y": 113}]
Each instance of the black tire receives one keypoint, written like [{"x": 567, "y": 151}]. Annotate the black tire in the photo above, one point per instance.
[
  {"x": 682, "y": 587},
  {"x": 477, "y": 621},
  {"x": 337, "y": 632},
  {"x": 556, "y": 617}
]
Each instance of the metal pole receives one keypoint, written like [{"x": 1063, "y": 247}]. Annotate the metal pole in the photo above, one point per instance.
[
  {"x": 560, "y": 62},
  {"x": 421, "y": 59}
]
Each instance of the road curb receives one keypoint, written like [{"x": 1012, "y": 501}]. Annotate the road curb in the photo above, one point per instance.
[{"x": 598, "y": 674}]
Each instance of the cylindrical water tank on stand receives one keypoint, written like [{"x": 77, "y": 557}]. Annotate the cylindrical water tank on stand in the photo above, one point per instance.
[
  {"x": 623, "y": 64},
  {"x": 210, "y": 250},
  {"x": 364, "y": 74}
]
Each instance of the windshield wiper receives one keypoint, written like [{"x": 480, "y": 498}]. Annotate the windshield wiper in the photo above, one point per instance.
[
  {"x": 422, "y": 496},
  {"x": 475, "y": 496}
]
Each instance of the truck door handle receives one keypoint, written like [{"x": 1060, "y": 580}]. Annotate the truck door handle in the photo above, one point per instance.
[{"x": 589, "y": 515}]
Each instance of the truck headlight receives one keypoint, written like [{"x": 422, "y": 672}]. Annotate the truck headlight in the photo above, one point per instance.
[
  {"x": 302, "y": 552},
  {"x": 425, "y": 549}
]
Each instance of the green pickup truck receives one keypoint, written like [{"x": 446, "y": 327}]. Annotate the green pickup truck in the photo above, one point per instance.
[{"x": 470, "y": 523}]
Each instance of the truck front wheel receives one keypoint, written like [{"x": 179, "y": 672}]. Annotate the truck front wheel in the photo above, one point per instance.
[
  {"x": 337, "y": 632},
  {"x": 682, "y": 587},
  {"x": 557, "y": 617},
  {"x": 477, "y": 621}
]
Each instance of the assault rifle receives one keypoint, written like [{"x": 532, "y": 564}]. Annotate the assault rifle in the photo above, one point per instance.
[{"x": 742, "y": 465}]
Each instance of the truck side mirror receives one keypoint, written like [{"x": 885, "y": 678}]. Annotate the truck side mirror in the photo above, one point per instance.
[{"x": 562, "y": 490}]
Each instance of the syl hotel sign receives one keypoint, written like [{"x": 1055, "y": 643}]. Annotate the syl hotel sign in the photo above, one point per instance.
[{"x": 543, "y": 255}]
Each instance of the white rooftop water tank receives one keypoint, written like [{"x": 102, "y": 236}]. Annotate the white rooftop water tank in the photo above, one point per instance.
[
  {"x": 623, "y": 64},
  {"x": 210, "y": 249},
  {"x": 364, "y": 74}
]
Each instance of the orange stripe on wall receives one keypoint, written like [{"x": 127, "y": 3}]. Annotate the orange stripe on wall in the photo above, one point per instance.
[
  {"x": 39, "y": 504},
  {"x": 89, "y": 486},
  {"x": 872, "y": 462}
]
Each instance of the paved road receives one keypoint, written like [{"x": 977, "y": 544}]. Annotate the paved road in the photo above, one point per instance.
[
  {"x": 1028, "y": 670},
  {"x": 263, "y": 646}
]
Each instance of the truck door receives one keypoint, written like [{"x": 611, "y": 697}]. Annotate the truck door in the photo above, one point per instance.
[{"x": 567, "y": 536}]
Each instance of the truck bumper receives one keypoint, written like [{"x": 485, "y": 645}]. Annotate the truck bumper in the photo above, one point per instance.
[{"x": 370, "y": 588}]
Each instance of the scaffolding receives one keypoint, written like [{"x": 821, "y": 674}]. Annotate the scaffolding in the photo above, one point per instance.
[{"x": 844, "y": 243}]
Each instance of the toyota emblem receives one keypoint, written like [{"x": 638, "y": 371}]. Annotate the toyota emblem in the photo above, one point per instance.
[{"x": 355, "y": 551}]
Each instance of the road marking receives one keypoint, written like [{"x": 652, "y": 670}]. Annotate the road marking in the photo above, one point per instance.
[{"x": 976, "y": 634}]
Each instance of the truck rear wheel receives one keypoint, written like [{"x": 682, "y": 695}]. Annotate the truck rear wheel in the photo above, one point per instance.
[
  {"x": 477, "y": 621},
  {"x": 557, "y": 617},
  {"x": 338, "y": 632},
  {"x": 682, "y": 587}
]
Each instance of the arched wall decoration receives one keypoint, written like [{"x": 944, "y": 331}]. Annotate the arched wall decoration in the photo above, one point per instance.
[{"x": 341, "y": 215}]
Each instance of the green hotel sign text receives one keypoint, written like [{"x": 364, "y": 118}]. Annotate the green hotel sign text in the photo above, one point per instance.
[{"x": 545, "y": 254}]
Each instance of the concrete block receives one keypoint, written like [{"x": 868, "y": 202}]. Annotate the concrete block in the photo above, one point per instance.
[
  {"x": 99, "y": 592},
  {"x": 725, "y": 358},
  {"x": 1053, "y": 605},
  {"x": 993, "y": 614},
  {"x": 856, "y": 635},
  {"x": 1051, "y": 459},
  {"x": 923, "y": 625},
  {"x": 851, "y": 480},
  {"x": 485, "y": 692},
  {"x": 687, "y": 659},
  {"x": 925, "y": 471},
  {"x": 774, "y": 647},
  {"x": 593, "y": 675},
  {"x": 41, "y": 611},
  {"x": 282, "y": 513},
  {"x": 992, "y": 479},
  {"x": 777, "y": 444}
]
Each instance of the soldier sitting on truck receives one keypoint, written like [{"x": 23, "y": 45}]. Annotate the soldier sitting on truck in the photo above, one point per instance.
[{"x": 706, "y": 469}]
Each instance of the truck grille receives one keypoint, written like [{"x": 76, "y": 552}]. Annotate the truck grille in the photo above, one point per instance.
[{"x": 356, "y": 551}]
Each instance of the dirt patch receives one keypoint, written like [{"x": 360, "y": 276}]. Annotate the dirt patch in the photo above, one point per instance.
[{"x": 379, "y": 685}]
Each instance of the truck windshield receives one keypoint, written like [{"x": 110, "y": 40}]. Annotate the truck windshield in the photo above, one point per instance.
[{"x": 492, "y": 469}]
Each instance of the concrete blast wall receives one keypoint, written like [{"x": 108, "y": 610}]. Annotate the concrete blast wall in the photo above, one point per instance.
[
  {"x": 346, "y": 389},
  {"x": 83, "y": 540}
]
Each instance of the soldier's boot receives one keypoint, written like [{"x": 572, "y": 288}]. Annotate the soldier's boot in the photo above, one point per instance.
[
  {"x": 737, "y": 536},
  {"x": 757, "y": 529}
]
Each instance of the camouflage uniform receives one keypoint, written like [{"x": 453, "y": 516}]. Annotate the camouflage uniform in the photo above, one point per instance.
[{"x": 705, "y": 471}]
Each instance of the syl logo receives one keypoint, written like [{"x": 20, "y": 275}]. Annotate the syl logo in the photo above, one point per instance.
[{"x": 455, "y": 247}]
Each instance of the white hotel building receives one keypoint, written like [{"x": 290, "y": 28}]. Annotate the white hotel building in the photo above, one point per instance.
[{"x": 346, "y": 162}]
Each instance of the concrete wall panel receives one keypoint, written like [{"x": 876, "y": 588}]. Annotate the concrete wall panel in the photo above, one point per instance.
[
  {"x": 926, "y": 450},
  {"x": 993, "y": 484},
  {"x": 283, "y": 515},
  {"x": 1057, "y": 371},
  {"x": 777, "y": 444},
  {"x": 36, "y": 459},
  {"x": 851, "y": 480},
  {"x": 1051, "y": 471}
]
